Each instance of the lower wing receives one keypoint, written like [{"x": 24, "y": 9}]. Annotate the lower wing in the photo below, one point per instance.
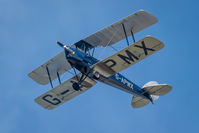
[
  {"x": 63, "y": 93},
  {"x": 128, "y": 56}
]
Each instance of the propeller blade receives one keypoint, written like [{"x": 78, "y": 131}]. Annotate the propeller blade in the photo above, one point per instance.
[
  {"x": 66, "y": 51},
  {"x": 60, "y": 44}
]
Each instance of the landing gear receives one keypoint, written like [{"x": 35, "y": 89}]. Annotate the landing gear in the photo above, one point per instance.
[
  {"x": 96, "y": 76},
  {"x": 76, "y": 86}
]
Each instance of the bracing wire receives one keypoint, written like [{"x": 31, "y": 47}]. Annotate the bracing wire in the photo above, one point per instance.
[
  {"x": 107, "y": 44},
  {"x": 114, "y": 48}
]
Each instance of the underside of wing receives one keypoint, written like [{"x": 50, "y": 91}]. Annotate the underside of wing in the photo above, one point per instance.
[
  {"x": 63, "y": 93},
  {"x": 128, "y": 56},
  {"x": 56, "y": 66},
  {"x": 115, "y": 32}
]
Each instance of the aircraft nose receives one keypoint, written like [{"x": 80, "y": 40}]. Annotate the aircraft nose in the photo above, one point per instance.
[{"x": 66, "y": 48}]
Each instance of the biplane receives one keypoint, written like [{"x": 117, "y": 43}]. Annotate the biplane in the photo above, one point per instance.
[{"x": 79, "y": 57}]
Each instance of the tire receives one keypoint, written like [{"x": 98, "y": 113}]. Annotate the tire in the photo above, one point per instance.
[
  {"x": 76, "y": 86},
  {"x": 96, "y": 75}
]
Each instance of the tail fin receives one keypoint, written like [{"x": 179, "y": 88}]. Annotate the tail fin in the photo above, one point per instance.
[
  {"x": 154, "y": 90},
  {"x": 150, "y": 83}
]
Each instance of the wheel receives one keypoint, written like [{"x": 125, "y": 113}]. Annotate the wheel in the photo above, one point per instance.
[
  {"x": 76, "y": 86},
  {"x": 96, "y": 75}
]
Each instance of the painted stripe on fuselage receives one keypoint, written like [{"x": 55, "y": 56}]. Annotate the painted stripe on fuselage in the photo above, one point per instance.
[{"x": 122, "y": 83}]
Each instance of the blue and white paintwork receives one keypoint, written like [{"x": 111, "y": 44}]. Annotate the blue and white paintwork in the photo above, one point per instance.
[{"x": 81, "y": 60}]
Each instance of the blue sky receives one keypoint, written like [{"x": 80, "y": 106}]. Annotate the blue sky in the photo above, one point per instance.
[{"x": 28, "y": 32}]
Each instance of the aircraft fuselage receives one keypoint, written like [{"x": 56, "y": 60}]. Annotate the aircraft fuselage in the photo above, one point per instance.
[{"x": 84, "y": 62}]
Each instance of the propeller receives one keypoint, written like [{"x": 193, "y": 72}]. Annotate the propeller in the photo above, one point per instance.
[{"x": 66, "y": 48}]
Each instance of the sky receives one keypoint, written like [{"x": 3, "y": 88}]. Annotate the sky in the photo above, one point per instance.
[{"x": 28, "y": 33}]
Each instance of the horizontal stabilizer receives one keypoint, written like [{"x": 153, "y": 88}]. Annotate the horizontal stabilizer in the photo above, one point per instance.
[
  {"x": 154, "y": 90},
  {"x": 138, "y": 102},
  {"x": 159, "y": 89}
]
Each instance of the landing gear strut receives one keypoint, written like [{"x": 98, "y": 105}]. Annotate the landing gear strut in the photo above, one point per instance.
[
  {"x": 77, "y": 85},
  {"x": 96, "y": 76}
]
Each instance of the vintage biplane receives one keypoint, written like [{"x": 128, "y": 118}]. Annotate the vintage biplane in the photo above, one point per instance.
[{"x": 79, "y": 57}]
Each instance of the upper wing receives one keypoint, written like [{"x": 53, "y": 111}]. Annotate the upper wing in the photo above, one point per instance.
[
  {"x": 63, "y": 93},
  {"x": 114, "y": 33},
  {"x": 105, "y": 37},
  {"x": 128, "y": 56},
  {"x": 57, "y": 64}
]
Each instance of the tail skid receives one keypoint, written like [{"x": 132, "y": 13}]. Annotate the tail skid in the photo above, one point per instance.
[{"x": 154, "y": 90}]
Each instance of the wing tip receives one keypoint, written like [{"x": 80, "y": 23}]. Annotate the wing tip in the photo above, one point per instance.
[
  {"x": 151, "y": 37},
  {"x": 144, "y": 11},
  {"x": 33, "y": 76},
  {"x": 40, "y": 104}
]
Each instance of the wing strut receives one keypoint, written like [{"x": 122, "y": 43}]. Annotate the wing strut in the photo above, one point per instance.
[
  {"x": 93, "y": 51},
  {"x": 59, "y": 78},
  {"x": 132, "y": 34},
  {"x": 125, "y": 34},
  {"x": 49, "y": 76}
]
